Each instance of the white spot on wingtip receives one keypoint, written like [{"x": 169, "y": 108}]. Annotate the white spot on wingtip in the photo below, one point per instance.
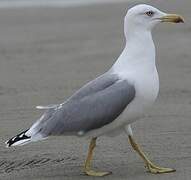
[
  {"x": 21, "y": 135},
  {"x": 7, "y": 145},
  {"x": 13, "y": 138}
]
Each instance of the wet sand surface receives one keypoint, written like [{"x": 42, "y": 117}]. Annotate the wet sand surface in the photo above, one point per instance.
[{"x": 46, "y": 54}]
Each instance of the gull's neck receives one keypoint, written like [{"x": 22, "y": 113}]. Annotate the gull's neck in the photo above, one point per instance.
[{"x": 139, "y": 52}]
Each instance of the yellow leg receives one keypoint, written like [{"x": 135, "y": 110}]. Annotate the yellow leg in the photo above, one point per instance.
[
  {"x": 148, "y": 164},
  {"x": 87, "y": 166}
]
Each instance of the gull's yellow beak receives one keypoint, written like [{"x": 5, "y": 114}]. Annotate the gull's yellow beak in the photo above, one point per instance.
[{"x": 172, "y": 18}]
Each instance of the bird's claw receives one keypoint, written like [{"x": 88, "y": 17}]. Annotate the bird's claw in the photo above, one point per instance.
[
  {"x": 90, "y": 172},
  {"x": 158, "y": 170}
]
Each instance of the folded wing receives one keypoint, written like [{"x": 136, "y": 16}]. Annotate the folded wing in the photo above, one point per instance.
[{"x": 95, "y": 105}]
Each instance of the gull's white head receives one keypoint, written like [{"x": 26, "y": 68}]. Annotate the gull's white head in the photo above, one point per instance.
[{"x": 146, "y": 17}]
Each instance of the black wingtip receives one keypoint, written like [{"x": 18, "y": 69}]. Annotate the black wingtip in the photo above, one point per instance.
[{"x": 17, "y": 138}]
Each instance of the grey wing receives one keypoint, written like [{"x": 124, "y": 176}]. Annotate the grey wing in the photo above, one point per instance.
[
  {"x": 96, "y": 85},
  {"x": 102, "y": 103}
]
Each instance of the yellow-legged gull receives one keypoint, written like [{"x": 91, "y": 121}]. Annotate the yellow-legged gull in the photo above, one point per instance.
[{"x": 115, "y": 99}]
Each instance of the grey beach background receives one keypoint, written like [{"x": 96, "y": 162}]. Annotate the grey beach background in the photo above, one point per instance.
[{"x": 47, "y": 52}]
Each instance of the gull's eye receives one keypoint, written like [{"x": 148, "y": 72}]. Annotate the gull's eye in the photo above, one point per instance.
[{"x": 149, "y": 13}]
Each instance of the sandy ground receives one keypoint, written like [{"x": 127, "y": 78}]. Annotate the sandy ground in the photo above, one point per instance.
[{"x": 48, "y": 53}]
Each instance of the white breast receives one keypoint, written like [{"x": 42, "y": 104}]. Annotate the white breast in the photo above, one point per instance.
[
  {"x": 136, "y": 64},
  {"x": 147, "y": 87},
  {"x": 146, "y": 84}
]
